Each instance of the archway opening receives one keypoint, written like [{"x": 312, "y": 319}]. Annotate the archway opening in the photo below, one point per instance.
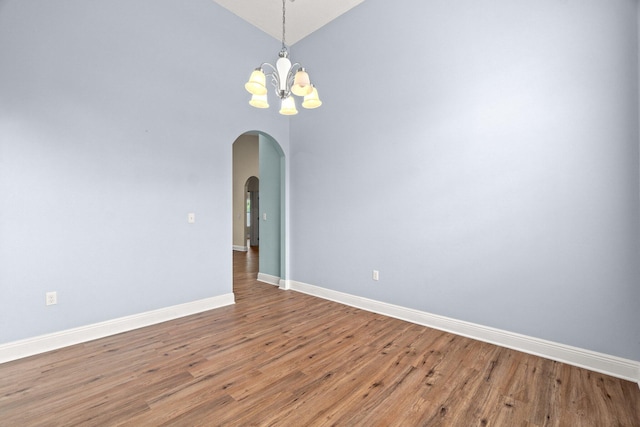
[
  {"x": 257, "y": 155},
  {"x": 252, "y": 215}
]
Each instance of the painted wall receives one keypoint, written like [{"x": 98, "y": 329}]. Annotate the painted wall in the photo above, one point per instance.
[
  {"x": 484, "y": 158},
  {"x": 245, "y": 165},
  {"x": 117, "y": 119},
  {"x": 271, "y": 158},
  {"x": 494, "y": 179}
]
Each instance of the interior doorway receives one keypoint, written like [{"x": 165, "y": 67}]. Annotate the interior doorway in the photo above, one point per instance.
[{"x": 252, "y": 187}]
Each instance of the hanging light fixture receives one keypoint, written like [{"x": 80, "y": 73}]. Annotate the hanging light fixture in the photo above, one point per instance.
[{"x": 288, "y": 79}]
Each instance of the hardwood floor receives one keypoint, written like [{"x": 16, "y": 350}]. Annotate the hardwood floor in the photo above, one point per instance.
[{"x": 283, "y": 358}]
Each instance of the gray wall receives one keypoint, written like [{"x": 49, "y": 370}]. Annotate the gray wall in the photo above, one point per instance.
[
  {"x": 117, "y": 118},
  {"x": 483, "y": 156}
]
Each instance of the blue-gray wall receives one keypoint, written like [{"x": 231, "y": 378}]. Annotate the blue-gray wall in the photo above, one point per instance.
[
  {"x": 483, "y": 156},
  {"x": 117, "y": 119}
]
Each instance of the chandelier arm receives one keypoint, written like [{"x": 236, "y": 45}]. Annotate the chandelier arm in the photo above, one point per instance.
[
  {"x": 270, "y": 66},
  {"x": 291, "y": 74},
  {"x": 275, "y": 81},
  {"x": 282, "y": 94},
  {"x": 275, "y": 78}
]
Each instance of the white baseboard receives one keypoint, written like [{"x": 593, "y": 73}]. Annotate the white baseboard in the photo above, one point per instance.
[
  {"x": 598, "y": 362},
  {"x": 267, "y": 278},
  {"x": 31, "y": 346},
  {"x": 240, "y": 248}
]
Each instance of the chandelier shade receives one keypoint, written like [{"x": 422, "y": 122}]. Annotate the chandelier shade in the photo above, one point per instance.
[
  {"x": 287, "y": 79},
  {"x": 312, "y": 100},
  {"x": 288, "y": 106},
  {"x": 301, "y": 84},
  {"x": 257, "y": 83},
  {"x": 259, "y": 101}
]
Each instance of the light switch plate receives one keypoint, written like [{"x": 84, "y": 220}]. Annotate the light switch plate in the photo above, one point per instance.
[{"x": 52, "y": 298}]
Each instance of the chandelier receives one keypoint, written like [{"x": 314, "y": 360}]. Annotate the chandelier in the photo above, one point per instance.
[{"x": 287, "y": 79}]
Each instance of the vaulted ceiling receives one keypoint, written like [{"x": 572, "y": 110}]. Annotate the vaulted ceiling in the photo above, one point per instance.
[{"x": 302, "y": 18}]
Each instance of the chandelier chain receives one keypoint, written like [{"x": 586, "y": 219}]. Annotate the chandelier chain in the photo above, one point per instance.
[{"x": 283, "y": 24}]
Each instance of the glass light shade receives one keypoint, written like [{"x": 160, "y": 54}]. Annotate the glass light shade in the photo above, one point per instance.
[
  {"x": 301, "y": 84},
  {"x": 312, "y": 100},
  {"x": 288, "y": 107},
  {"x": 257, "y": 83},
  {"x": 259, "y": 101}
]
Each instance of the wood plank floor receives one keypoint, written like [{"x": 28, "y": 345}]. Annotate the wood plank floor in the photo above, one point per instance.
[{"x": 281, "y": 358}]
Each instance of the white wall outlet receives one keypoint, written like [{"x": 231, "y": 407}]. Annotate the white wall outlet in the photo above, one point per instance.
[
  {"x": 52, "y": 298},
  {"x": 376, "y": 275},
  {"x": 264, "y": 216},
  {"x": 191, "y": 218}
]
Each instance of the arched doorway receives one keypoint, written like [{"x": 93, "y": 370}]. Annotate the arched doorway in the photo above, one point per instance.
[
  {"x": 252, "y": 226},
  {"x": 245, "y": 165}
]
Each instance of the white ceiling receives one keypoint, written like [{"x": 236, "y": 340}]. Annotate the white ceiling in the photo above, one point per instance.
[{"x": 303, "y": 16}]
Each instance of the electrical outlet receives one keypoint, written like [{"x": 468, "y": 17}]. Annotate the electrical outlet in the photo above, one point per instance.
[
  {"x": 376, "y": 275},
  {"x": 191, "y": 218},
  {"x": 52, "y": 298}
]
